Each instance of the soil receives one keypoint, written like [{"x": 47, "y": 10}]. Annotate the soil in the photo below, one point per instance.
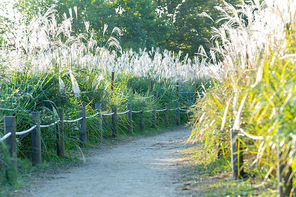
[{"x": 140, "y": 166}]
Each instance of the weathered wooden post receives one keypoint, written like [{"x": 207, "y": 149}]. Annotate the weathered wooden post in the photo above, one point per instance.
[
  {"x": 196, "y": 92},
  {"x": 285, "y": 182},
  {"x": 220, "y": 151},
  {"x": 236, "y": 156},
  {"x": 151, "y": 88},
  {"x": 82, "y": 126},
  {"x": 178, "y": 114},
  {"x": 1, "y": 113},
  {"x": 154, "y": 116},
  {"x": 99, "y": 123},
  {"x": 36, "y": 139},
  {"x": 112, "y": 83},
  {"x": 142, "y": 120},
  {"x": 60, "y": 135},
  {"x": 114, "y": 121},
  {"x": 130, "y": 117},
  {"x": 166, "y": 114},
  {"x": 10, "y": 142},
  {"x": 241, "y": 159}
]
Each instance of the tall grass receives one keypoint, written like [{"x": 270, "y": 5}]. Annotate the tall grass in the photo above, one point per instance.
[
  {"x": 256, "y": 88},
  {"x": 46, "y": 68}
]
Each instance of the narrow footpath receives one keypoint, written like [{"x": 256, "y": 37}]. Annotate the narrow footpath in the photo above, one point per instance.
[{"x": 141, "y": 167}]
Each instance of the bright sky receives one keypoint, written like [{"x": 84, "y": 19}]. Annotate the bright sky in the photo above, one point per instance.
[{"x": 6, "y": 8}]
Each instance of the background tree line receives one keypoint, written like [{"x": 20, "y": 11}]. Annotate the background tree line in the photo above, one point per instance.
[{"x": 175, "y": 25}]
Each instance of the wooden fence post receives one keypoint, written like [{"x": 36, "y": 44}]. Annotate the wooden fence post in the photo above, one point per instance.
[
  {"x": 234, "y": 150},
  {"x": 284, "y": 182},
  {"x": 36, "y": 139},
  {"x": 151, "y": 88},
  {"x": 166, "y": 114},
  {"x": 112, "y": 83},
  {"x": 142, "y": 120},
  {"x": 82, "y": 128},
  {"x": 196, "y": 92},
  {"x": 130, "y": 117},
  {"x": 220, "y": 151},
  {"x": 114, "y": 121},
  {"x": 240, "y": 160},
  {"x": 99, "y": 123},
  {"x": 1, "y": 112},
  {"x": 154, "y": 117},
  {"x": 178, "y": 114},
  {"x": 10, "y": 142},
  {"x": 236, "y": 156},
  {"x": 60, "y": 135}
]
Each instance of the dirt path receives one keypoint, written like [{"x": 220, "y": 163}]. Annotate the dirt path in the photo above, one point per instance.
[{"x": 144, "y": 166}]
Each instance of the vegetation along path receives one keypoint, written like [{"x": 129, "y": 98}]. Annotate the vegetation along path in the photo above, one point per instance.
[{"x": 142, "y": 166}]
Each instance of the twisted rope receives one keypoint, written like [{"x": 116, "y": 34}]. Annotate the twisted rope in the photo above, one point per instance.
[
  {"x": 49, "y": 125},
  {"x": 160, "y": 110},
  {"x": 251, "y": 136},
  {"x": 5, "y": 136},
  {"x": 93, "y": 115},
  {"x": 182, "y": 109},
  {"x": 110, "y": 114},
  {"x": 123, "y": 112},
  {"x": 146, "y": 97},
  {"x": 26, "y": 131},
  {"x": 6, "y": 109},
  {"x": 137, "y": 111},
  {"x": 173, "y": 109},
  {"x": 69, "y": 121}
]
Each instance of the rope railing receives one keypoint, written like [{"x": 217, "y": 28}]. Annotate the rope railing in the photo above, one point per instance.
[
  {"x": 49, "y": 125},
  {"x": 135, "y": 112},
  {"x": 4, "y": 109},
  {"x": 70, "y": 121},
  {"x": 5, "y": 136},
  {"x": 26, "y": 131},
  {"x": 125, "y": 112},
  {"x": 92, "y": 116},
  {"x": 108, "y": 114},
  {"x": 182, "y": 109},
  {"x": 10, "y": 124},
  {"x": 173, "y": 109},
  {"x": 252, "y": 136},
  {"x": 197, "y": 92},
  {"x": 18, "y": 133},
  {"x": 104, "y": 114},
  {"x": 145, "y": 97},
  {"x": 187, "y": 92},
  {"x": 161, "y": 110},
  {"x": 10, "y": 128}
]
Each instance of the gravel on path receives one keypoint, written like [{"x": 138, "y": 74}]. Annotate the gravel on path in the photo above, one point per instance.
[{"x": 142, "y": 167}]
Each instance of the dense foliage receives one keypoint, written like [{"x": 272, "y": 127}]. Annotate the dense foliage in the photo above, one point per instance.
[
  {"x": 49, "y": 68},
  {"x": 173, "y": 25},
  {"x": 55, "y": 64},
  {"x": 192, "y": 21},
  {"x": 254, "y": 96}
]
